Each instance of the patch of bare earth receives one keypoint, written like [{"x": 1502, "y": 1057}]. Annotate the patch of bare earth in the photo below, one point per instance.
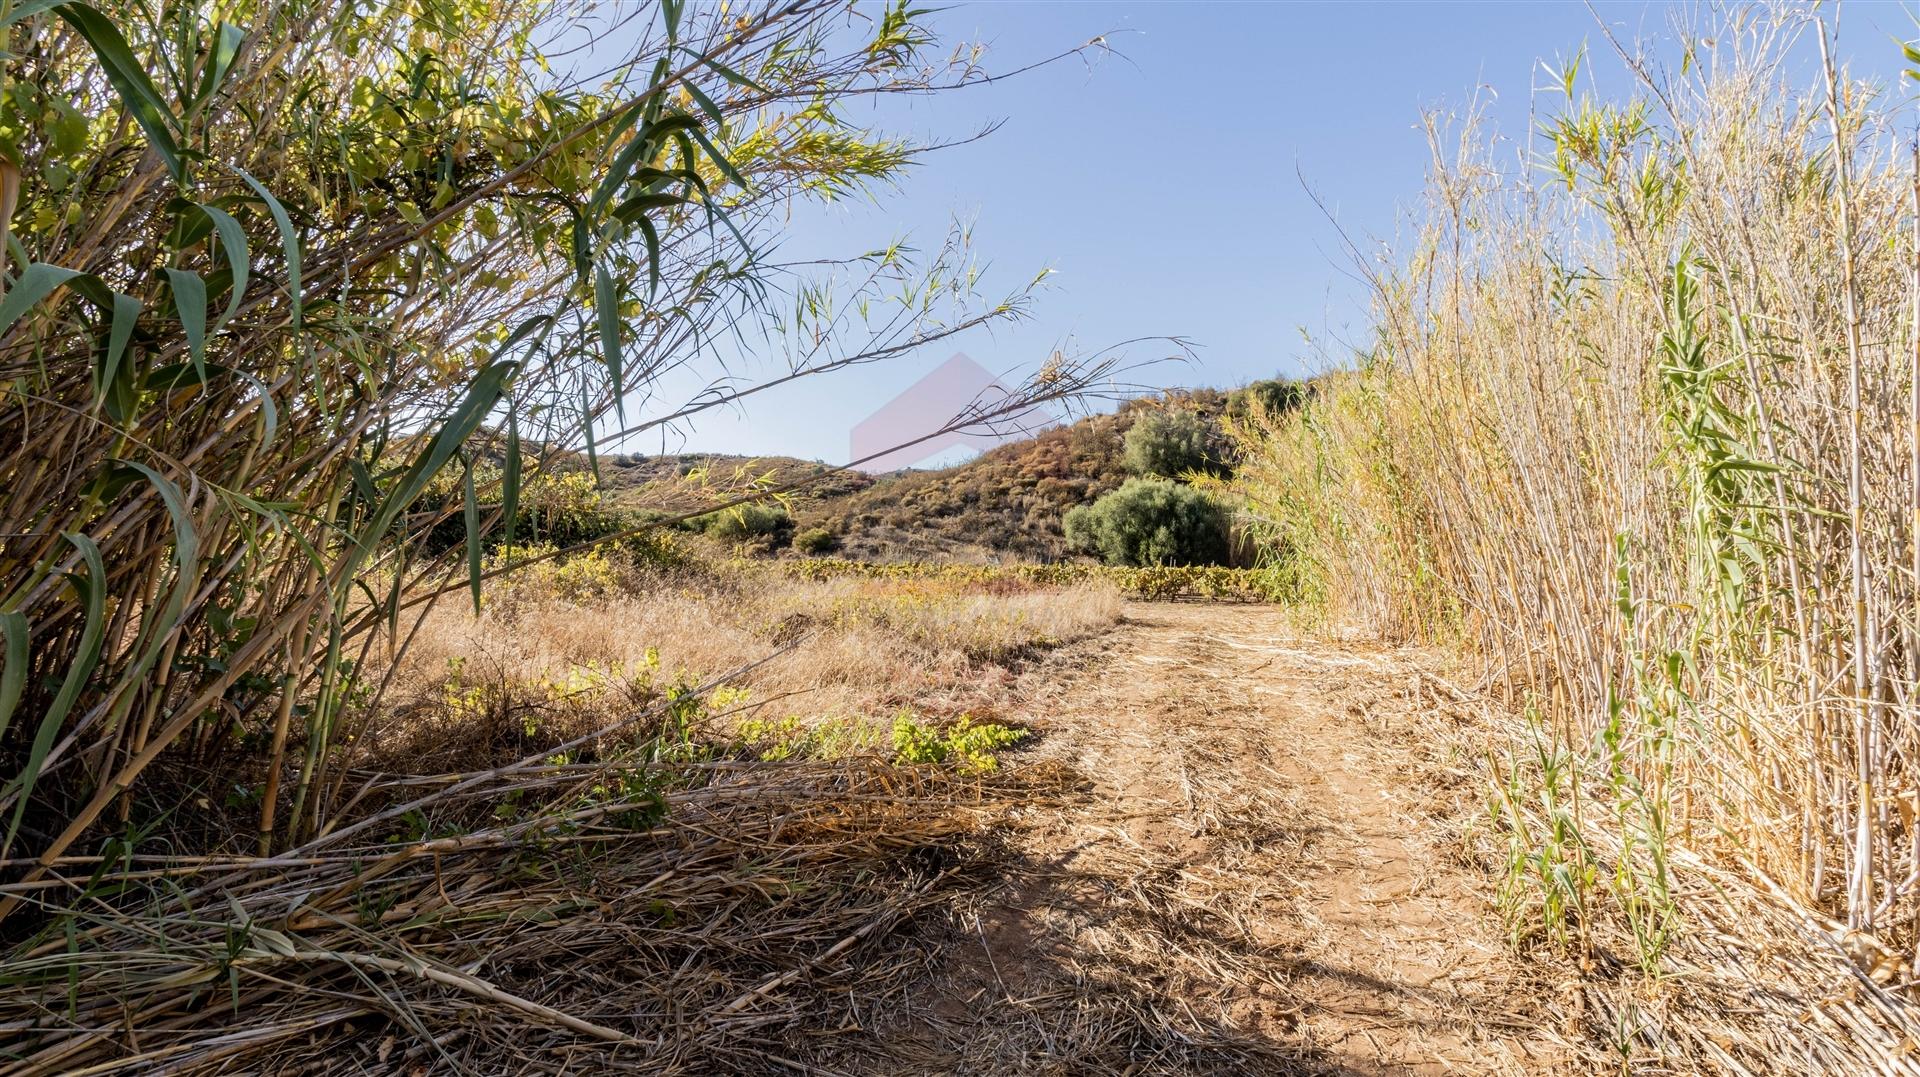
[{"x": 1248, "y": 881}]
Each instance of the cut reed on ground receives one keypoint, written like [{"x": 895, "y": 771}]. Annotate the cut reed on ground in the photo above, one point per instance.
[
  {"x": 566, "y": 841},
  {"x": 1641, "y": 426}
]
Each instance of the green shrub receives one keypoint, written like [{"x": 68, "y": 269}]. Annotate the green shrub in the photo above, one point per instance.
[
  {"x": 815, "y": 540},
  {"x": 1171, "y": 444},
  {"x": 742, "y": 523},
  {"x": 656, "y": 547},
  {"x": 1150, "y": 522},
  {"x": 583, "y": 577},
  {"x": 792, "y": 737},
  {"x": 1270, "y": 399},
  {"x": 562, "y": 508}
]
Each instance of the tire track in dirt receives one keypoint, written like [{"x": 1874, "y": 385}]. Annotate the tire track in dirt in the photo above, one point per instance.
[{"x": 1246, "y": 882}]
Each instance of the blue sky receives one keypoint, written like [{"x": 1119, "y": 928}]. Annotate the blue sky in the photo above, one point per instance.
[{"x": 1167, "y": 185}]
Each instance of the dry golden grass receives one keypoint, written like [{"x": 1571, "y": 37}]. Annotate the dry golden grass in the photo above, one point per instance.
[
  {"x": 548, "y": 660},
  {"x": 556, "y": 853}
]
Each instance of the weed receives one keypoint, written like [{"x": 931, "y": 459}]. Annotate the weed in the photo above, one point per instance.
[
  {"x": 966, "y": 744},
  {"x": 1550, "y": 874}
]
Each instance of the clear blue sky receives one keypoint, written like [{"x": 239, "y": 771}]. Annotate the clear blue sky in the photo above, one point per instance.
[{"x": 1164, "y": 183}]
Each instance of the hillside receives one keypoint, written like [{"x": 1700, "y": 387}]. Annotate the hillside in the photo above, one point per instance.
[
  {"x": 1005, "y": 504},
  {"x": 678, "y": 481}
]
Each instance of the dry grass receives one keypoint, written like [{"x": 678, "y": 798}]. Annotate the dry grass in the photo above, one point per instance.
[
  {"x": 540, "y": 670},
  {"x": 552, "y": 853}
]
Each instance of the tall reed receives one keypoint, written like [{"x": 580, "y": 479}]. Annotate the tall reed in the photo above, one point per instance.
[
  {"x": 1641, "y": 424},
  {"x": 277, "y": 267}
]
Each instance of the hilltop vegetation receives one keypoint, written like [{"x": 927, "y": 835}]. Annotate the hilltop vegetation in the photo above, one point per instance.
[
  {"x": 688, "y": 480},
  {"x": 1006, "y": 503},
  {"x": 1009, "y": 503}
]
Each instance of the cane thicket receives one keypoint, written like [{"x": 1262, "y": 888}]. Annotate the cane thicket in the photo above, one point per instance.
[
  {"x": 1641, "y": 423},
  {"x": 292, "y": 286}
]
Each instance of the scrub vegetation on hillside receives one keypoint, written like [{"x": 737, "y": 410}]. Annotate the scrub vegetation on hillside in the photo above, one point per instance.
[{"x": 1008, "y": 504}]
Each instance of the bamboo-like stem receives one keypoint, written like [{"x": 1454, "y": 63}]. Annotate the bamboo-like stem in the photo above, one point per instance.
[
  {"x": 1535, "y": 395},
  {"x": 1912, "y": 707},
  {"x": 1860, "y": 881}
]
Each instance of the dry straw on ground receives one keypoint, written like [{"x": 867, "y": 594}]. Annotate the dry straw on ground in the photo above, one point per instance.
[
  {"x": 587, "y": 871},
  {"x": 584, "y": 939}
]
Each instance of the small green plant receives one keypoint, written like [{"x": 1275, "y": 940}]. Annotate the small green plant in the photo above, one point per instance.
[
  {"x": 970, "y": 746},
  {"x": 815, "y": 540},
  {"x": 792, "y": 737},
  {"x": 641, "y": 789},
  {"x": 1550, "y": 873},
  {"x": 1639, "y": 742},
  {"x": 774, "y": 739},
  {"x": 743, "y": 523}
]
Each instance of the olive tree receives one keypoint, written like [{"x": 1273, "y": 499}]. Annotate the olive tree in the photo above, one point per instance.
[{"x": 1150, "y": 522}]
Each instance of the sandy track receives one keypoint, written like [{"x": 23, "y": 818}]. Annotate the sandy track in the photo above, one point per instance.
[{"x": 1247, "y": 881}]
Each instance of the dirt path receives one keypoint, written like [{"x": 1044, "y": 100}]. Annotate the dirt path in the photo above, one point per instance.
[{"x": 1248, "y": 882}]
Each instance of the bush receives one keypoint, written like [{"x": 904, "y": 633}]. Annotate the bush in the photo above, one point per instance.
[
  {"x": 1151, "y": 522},
  {"x": 561, "y": 508},
  {"x": 1269, "y": 399},
  {"x": 1170, "y": 444},
  {"x": 969, "y": 746},
  {"x": 815, "y": 540},
  {"x": 582, "y": 577},
  {"x": 745, "y": 522},
  {"x": 566, "y": 508},
  {"x": 656, "y": 547}
]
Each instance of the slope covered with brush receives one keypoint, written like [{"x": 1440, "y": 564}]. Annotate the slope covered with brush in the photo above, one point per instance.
[{"x": 1011, "y": 501}]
